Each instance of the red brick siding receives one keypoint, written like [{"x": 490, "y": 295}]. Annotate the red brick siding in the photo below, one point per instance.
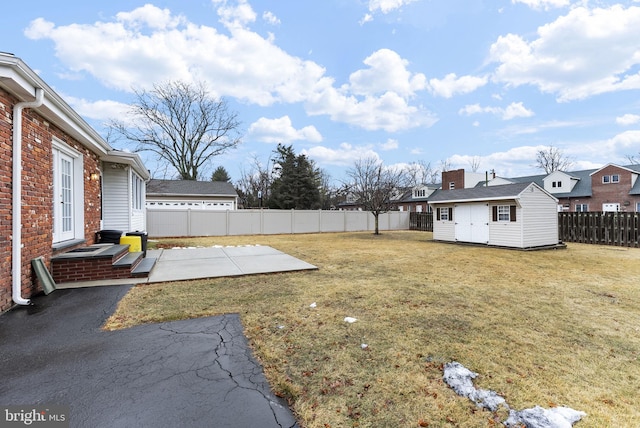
[
  {"x": 612, "y": 192},
  {"x": 456, "y": 177},
  {"x": 37, "y": 194},
  {"x": 73, "y": 270}
]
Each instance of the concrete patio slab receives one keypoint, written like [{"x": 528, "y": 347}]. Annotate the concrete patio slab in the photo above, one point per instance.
[{"x": 180, "y": 264}]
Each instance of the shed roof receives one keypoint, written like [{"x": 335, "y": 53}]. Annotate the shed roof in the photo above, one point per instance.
[
  {"x": 490, "y": 193},
  {"x": 190, "y": 188}
]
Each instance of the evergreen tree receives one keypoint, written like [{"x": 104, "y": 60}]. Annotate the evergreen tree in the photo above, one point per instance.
[
  {"x": 220, "y": 174},
  {"x": 298, "y": 181}
]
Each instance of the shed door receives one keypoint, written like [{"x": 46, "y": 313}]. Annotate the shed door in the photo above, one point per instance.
[{"x": 472, "y": 223}]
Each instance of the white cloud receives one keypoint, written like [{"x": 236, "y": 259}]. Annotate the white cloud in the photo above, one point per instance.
[
  {"x": 543, "y": 4},
  {"x": 512, "y": 111},
  {"x": 271, "y": 18},
  {"x": 628, "y": 119},
  {"x": 573, "y": 57},
  {"x": 281, "y": 131},
  {"x": 452, "y": 85},
  {"x": 387, "y": 72},
  {"x": 149, "y": 45},
  {"x": 102, "y": 110},
  {"x": 386, "y": 6},
  {"x": 345, "y": 155},
  {"x": 390, "y": 144}
]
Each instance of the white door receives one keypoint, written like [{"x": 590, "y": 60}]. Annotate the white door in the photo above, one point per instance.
[
  {"x": 63, "y": 208},
  {"x": 472, "y": 223},
  {"x": 610, "y": 207}
]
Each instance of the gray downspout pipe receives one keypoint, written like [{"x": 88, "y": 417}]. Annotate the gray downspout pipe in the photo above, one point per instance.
[{"x": 16, "y": 257}]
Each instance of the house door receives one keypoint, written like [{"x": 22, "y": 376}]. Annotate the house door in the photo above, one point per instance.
[
  {"x": 63, "y": 208},
  {"x": 472, "y": 223}
]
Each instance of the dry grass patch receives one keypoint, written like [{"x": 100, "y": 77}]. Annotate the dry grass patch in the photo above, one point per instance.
[{"x": 541, "y": 328}]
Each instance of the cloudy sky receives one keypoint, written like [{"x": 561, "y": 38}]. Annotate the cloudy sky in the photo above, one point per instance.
[{"x": 401, "y": 80}]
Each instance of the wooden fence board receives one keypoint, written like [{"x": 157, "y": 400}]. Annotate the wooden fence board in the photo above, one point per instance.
[{"x": 602, "y": 228}]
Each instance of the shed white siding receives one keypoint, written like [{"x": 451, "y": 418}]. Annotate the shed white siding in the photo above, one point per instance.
[
  {"x": 540, "y": 219},
  {"x": 444, "y": 230},
  {"x": 506, "y": 233},
  {"x": 520, "y": 216}
]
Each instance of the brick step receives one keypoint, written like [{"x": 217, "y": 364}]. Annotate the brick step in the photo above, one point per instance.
[{"x": 99, "y": 262}]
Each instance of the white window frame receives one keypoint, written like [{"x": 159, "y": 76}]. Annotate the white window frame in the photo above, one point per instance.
[
  {"x": 606, "y": 179},
  {"x": 76, "y": 227},
  {"x": 582, "y": 208},
  {"x": 504, "y": 213},
  {"x": 137, "y": 192},
  {"x": 615, "y": 178},
  {"x": 444, "y": 214}
]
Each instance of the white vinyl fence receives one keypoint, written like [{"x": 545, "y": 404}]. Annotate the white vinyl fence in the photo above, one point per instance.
[{"x": 173, "y": 223}]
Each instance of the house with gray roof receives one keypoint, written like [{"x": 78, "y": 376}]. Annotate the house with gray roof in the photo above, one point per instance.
[
  {"x": 519, "y": 215},
  {"x": 609, "y": 188},
  {"x": 193, "y": 195}
]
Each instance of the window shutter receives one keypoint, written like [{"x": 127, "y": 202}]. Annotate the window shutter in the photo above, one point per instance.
[
  {"x": 512, "y": 212},
  {"x": 438, "y": 214},
  {"x": 450, "y": 214},
  {"x": 495, "y": 213}
]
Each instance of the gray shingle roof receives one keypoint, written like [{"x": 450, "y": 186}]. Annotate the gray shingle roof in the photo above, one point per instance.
[
  {"x": 190, "y": 188},
  {"x": 505, "y": 191}
]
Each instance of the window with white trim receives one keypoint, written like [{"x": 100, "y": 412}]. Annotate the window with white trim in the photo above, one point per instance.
[
  {"x": 137, "y": 192},
  {"x": 503, "y": 212},
  {"x": 582, "y": 208}
]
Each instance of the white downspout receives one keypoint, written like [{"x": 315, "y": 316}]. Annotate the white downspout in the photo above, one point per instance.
[{"x": 16, "y": 258}]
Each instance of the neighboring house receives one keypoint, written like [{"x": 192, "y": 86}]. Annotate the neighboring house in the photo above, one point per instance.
[
  {"x": 190, "y": 194},
  {"x": 610, "y": 188},
  {"x": 416, "y": 199},
  {"x": 521, "y": 215},
  {"x": 461, "y": 179},
  {"x": 54, "y": 183}
]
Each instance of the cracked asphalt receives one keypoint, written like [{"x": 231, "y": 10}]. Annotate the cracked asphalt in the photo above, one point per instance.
[{"x": 192, "y": 373}]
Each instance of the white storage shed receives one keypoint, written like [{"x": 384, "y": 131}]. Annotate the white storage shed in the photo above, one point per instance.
[{"x": 521, "y": 215}]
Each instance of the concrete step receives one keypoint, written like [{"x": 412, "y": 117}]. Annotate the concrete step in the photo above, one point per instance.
[{"x": 144, "y": 268}]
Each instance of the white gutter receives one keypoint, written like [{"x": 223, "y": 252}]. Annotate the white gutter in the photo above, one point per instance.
[{"x": 16, "y": 258}]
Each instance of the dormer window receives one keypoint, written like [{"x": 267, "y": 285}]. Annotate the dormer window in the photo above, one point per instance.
[
  {"x": 615, "y": 178},
  {"x": 419, "y": 193}
]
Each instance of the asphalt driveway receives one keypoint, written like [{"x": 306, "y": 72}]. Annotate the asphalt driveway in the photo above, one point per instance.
[{"x": 193, "y": 373}]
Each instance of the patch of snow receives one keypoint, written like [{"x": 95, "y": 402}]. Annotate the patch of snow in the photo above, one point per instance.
[
  {"x": 460, "y": 379},
  {"x": 350, "y": 320},
  {"x": 537, "y": 417},
  {"x": 313, "y": 305},
  {"x": 364, "y": 346}
]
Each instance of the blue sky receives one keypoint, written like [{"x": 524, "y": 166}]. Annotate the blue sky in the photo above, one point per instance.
[{"x": 435, "y": 81}]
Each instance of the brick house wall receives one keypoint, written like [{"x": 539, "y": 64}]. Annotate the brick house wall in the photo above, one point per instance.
[
  {"x": 37, "y": 194},
  {"x": 612, "y": 193},
  {"x": 456, "y": 177}
]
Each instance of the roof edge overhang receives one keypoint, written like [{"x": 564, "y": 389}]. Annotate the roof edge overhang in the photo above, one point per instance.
[
  {"x": 131, "y": 159},
  {"x": 21, "y": 82}
]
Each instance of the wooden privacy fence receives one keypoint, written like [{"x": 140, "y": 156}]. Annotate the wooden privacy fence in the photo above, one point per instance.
[
  {"x": 605, "y": 228},
  {"x": 421, "y": 221}
]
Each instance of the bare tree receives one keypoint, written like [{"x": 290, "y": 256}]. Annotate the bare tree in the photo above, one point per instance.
[
  {"x": 181, "y": 123},
  {"x": 552, "y": 159},
  {"x": 634, "y": 159},
  {"x": 418, "y": 173},
  {"x": 373, "y": 186},
  {"x": 254, "y": 185},
  {"x": 475, "y": 163}
]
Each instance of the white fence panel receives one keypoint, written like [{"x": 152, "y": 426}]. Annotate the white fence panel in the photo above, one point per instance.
[{"x": 173, "y": 223}]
